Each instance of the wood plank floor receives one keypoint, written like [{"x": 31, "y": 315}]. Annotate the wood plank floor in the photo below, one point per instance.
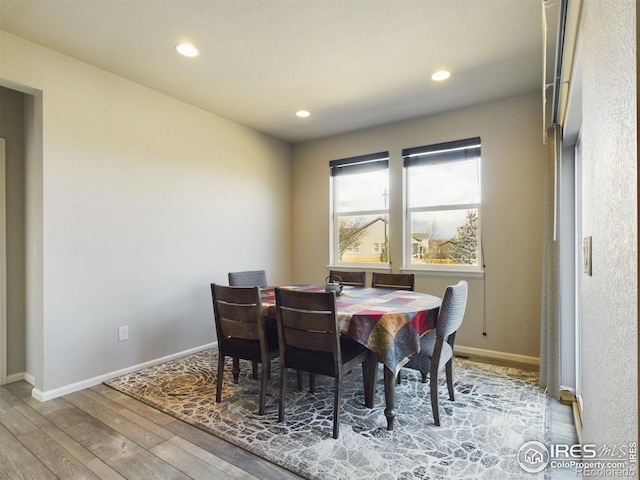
[
  {"x": 563, "y": 432},
  {"x": 99, "y": 433}
]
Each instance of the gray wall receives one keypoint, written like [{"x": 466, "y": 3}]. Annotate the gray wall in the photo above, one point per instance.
[
  {"x": 12, "y": 121},
  {"x": 513, "y": 176},
  {"x": 610, "y": 215},
  {"x": 135, "y": 202}
]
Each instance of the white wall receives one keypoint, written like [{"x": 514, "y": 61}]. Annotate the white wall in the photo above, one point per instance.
[
  {"x": 513, "y": 164},
  {"x": 145, "y": 201},
  {"x": 610, "y": 215}
]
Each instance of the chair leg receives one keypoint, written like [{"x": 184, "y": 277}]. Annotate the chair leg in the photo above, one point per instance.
[
  {"x": 263, "y": 386},
  {"x": 399, "y": 377},
  {"x": 283, "y": 381},
  {"x": 424, "y": 376},
  {"x": 219, "y": 379},
  {"x": 312, "y": 383},
  {"x": 254, "y": 367},
  {"x": 299, "y": 377},
  {"x": 235, "y": 370},
  {"x": 433, "y": 387},
  {"x": 449, "y": 369},
  {"x": 336, "y": 408}
]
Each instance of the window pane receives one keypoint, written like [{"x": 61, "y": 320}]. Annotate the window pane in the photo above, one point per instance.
[
  {"x": 361, "y": 191},
  {"x": 444, "y": 237},
  {"x": 361, "y": 238},
  {"x": 450, "y": 183}
]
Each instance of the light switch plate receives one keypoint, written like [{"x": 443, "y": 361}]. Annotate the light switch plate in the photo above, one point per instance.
[
  {"x": 586, "y": 255},
  {"x": 123, "y": 334}
]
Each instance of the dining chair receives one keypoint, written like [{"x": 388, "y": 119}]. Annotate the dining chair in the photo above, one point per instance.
[
  {"x": 242, "y": 334},
  {"x": 248, "y": 278},
  {"x": 309, "y": 339},
  {"x": 354, "y": 279},
  {"x": 436, "y": 347},
  {"x": 396, "y": 281}
]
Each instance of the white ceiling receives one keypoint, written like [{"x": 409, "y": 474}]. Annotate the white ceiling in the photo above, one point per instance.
[{"x": 351, "y": 63}]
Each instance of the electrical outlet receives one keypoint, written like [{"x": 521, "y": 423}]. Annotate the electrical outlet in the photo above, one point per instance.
[{"x": 123, "y": 334}]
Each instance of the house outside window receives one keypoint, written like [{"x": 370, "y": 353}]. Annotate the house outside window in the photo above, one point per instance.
[
  {"x": 353, "y": 249},
  {"x": 442, "y": 227},
  {"x": 359, "y": 220}
]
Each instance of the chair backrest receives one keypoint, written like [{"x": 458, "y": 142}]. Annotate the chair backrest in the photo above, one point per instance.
[
  {"x": 454, "y": 303},
  {"x": 238, "y": 312},
  {"x": 307, "y": 320},
  {"x": 249, "y": 278},
  {"x": 355, "y": 279},
  {"x": 397, "y": 281}
]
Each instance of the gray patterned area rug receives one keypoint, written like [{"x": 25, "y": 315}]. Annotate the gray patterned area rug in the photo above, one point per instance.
[{"x": 495, "y": 411}]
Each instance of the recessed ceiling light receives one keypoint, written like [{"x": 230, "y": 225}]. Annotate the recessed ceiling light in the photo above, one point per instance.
[
  {"x": 187, "y": 50},
  {"x": 302, "y": 114},
  {"x": 440, "y": 75}
]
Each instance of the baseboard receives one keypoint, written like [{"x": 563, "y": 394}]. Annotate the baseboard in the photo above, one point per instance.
[
  {"x": 493, "y": 354},
  {"x": 43, "y": 396},
  {"x": 74, "y": 387},
  {"x": 16, "y": 377},
  {"x": 29, "y": 379}
]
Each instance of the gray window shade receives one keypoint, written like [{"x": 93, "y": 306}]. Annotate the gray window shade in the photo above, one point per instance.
[
  {"x": 442, "y": 152},
  {"x": 360, "y": 164}
]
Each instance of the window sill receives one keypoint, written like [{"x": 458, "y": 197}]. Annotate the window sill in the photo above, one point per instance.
[
  {"x": 369, "y": 267},
  {"x": 450, "y": 272}
]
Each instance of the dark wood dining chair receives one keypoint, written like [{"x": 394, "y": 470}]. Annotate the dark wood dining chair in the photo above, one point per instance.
[
  {"x": 436, "y": 347},
  {"x": 396, "y": 281},
  {"x": 242, "y": 334},
  {"x": 354, "y": 279},
  {"x": 248, "y": 278},
  {"x": 310, "y": 341}
]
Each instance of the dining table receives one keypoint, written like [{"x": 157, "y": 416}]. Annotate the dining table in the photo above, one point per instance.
[{"x": 389, "y": 323}]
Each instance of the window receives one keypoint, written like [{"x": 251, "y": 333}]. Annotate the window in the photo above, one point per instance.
[
  {"x": 442, "y": 228},
  {"x": 360, "y": 209}
]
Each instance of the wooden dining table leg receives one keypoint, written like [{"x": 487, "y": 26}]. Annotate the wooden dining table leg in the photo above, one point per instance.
[
  {"x": 370, "y": 379},
  {"x": 389, "y": 396}
]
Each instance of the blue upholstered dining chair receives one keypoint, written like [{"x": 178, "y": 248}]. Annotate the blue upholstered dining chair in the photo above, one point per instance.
[{"x": 436, "y": 348}]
